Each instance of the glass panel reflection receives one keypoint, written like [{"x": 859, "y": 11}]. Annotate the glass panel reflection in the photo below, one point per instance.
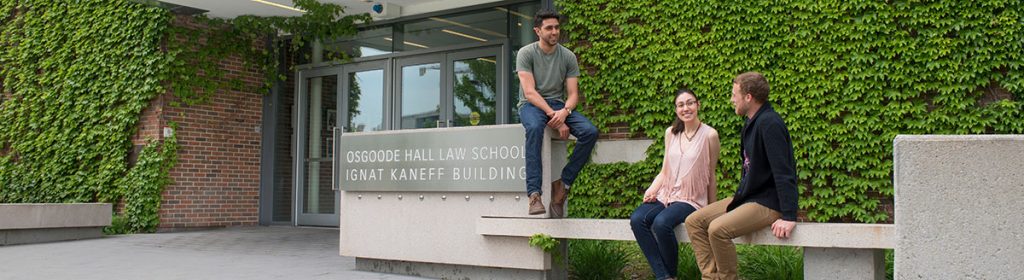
[
  {"x": 322, "y": 116},
  {"x": 475, "y": 87},
  {"x": 521, "y": 26},
  {"x": 365, "y": 101},
  {"x": 421, "y": 95},
  {"x": 369, "y": 42},
  {"x": 484, "y": 26}
]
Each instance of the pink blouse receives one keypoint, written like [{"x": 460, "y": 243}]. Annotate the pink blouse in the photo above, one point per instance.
[{"x": 689, "y": 170}]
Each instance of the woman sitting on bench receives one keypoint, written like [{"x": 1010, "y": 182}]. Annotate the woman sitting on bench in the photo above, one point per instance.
[{"x": 686, "y": 183}]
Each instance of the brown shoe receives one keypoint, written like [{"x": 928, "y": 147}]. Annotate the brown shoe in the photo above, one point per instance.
[
  {"x": 558, "y": 196},
  {"x": 536, "y": 205}
]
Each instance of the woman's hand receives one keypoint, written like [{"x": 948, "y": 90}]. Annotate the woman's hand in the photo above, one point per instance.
[{"x": 651, "y": 195}]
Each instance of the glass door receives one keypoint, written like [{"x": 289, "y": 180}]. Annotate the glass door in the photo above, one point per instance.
[
  {"x": 419, "y": 88},
  {"x": 449, "y": 89},
  {"x": 365, "y": 85},
  {"x": 474, "y": 87},
  {"x": 459, "y": 88},
  {"x": 316, "y": 99}
]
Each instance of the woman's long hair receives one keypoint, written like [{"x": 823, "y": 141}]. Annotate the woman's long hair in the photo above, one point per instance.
[{"x": 678, "y": 126}]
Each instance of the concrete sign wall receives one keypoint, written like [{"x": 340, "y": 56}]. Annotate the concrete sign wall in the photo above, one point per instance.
[
  {"x": 958, "y": 206},
  {"x": 432, "y": 220},
  {"x": 489, "y": 158}
]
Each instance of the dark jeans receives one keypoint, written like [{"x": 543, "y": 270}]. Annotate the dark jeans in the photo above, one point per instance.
[
  {"x": 654, "y": 228},
  {"x": 534, "y": 122}
]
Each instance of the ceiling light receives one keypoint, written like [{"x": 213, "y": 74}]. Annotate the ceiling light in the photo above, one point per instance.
[
  {"x": 279, "y": 5},
  {"x": 459, "y": 24},
  {"x": 514, "y": 13},
  {"x": 415, "y": 44},
  {"x": 463, "y": 35},
  {"x": 408, "y": 43}
]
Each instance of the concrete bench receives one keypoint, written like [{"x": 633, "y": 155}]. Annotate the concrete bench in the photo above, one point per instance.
[
  {"x": 45, "y": 222},
  {"x": 831, "y": 251}
]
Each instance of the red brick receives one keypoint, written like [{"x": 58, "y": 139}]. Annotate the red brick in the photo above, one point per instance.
[{"x": 214, "y": 139}]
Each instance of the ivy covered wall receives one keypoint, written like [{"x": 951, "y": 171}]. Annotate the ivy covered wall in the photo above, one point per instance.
[
  {"x": 77, "y": 76},
  {"x": 846, "y": 75}
]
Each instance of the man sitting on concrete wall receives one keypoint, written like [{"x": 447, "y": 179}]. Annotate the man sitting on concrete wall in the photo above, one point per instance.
[
  {"x": 548, "y": 93},
  {"x": 767, "y": 194}
]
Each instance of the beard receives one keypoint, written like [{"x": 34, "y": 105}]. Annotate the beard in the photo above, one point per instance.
[{"x": 551, "y": 40}]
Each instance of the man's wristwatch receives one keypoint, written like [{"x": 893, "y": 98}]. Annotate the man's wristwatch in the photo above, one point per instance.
[{"x": 569, "y": 110}]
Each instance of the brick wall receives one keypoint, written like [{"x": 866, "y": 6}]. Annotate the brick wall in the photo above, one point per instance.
[
  {"x": 150, "y": 125},
  {"x": 619, "y": 131},
  {"x": 217, "y": 178}
]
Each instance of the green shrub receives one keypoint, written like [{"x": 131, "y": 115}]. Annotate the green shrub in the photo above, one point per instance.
[
  {"x": 636, "y": 266},
  {"x": 596, "y": 260},
  {"x": 688, "y": 268},
  {"x": 770, "y": 262},
  {"x": 889, "y": 264},
  {"x": 118, "y": 225}
]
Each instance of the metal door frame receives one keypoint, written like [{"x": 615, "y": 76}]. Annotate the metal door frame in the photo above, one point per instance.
[
  {"x": 301, "y": 135},
  {"x": 500, "y": 76},
  {"x": 398, "y": 93},
  {"x": 382, "y": 64},
  {"x": 392, "y": 67}
]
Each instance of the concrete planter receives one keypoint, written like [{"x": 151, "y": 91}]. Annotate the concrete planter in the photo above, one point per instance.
[{"x": 48, "y": 222}]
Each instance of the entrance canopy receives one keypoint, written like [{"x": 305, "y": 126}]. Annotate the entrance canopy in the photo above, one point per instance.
[{"x": 234, "y": 8}]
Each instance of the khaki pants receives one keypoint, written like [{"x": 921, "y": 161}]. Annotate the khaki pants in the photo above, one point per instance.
[{"x": 711, "y": 231}]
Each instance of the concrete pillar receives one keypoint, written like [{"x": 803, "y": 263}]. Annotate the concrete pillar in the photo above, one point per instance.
[{"x": 958, "y": 206}]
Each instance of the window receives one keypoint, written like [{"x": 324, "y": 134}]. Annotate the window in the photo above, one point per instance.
[
  {"x": 369, "y": 42},
  {"x": 476, "y": 27}
]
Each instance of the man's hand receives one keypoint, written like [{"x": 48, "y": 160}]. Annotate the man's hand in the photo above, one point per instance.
[
  {"x": 558, "y": 118},
  {"x": 563, "y": 132},
  {"x": 783, "y": 229}
]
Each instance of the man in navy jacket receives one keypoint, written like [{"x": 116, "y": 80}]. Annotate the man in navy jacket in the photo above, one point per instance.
[{"x": 767, "y": 194}]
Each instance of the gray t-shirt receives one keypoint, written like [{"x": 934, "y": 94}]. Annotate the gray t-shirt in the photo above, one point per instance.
[{"x": 549, "y": 70}]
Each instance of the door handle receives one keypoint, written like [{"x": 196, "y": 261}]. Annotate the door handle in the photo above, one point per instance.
[
  {"x": 443, "y": 123},
  {"x": 336, "y": 161}
]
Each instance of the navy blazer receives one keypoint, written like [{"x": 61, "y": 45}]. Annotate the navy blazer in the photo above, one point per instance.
[{"x": 769, "y": 169}]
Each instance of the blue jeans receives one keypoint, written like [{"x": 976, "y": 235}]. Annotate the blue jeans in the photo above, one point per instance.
[
  {"x": 654, "y": 228},
  {"x": 534, "y": 121}
]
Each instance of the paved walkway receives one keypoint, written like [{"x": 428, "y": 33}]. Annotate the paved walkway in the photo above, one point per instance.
[{"x": 249, "y": 253}]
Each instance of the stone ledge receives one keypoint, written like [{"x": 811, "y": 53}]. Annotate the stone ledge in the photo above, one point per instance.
[
  {"x": 37, "y": 223},
  {"x": 54, "y": 215},
  {"x": 41, "y": 235},
  {"x": 823, "y": 235}
]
